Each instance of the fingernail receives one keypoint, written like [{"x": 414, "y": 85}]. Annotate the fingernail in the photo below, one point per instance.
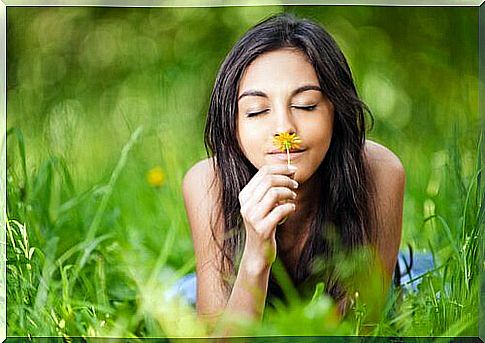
[
  {"x": 295, "y": 184},
  {"x": 292, "y": 168},
  {"x": 294, "y": 195}
]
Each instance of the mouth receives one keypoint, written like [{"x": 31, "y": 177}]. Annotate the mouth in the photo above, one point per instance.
[
  {"x": 278, "y": 155},
  {"x": 278, "y": 152}
]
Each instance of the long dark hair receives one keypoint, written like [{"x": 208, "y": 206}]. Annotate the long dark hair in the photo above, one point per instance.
[{"x": 344, "y": 190}]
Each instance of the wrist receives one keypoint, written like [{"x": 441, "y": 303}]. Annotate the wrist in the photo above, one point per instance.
[{"x": 254, "y": 265}]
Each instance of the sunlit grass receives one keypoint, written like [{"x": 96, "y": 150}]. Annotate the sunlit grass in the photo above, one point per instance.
[
  {"x": 96, "y": 230},
  {"x": 85, "y": 265}
]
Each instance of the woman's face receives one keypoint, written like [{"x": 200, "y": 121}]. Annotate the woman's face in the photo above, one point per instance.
[{"x": 280, "y": 92}]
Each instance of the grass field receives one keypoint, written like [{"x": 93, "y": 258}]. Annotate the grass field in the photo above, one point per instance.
[{"x": 106, "y": 114}]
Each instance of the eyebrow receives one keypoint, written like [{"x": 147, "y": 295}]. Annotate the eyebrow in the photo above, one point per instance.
[{"x": 295, "y": 92}]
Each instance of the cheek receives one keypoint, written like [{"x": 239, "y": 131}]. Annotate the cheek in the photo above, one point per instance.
[
  {"x": 320, "y": 141},
  {"x": 242, "y": 136},
  {"x": 248, "y": 140},
  {"x": 326, "y": 131},
  {"x": 324, "y": 143},
  {"x": 319, "y": 133}
]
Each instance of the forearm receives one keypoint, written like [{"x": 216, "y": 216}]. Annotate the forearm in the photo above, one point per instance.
[{"x": 248, "y": 296}]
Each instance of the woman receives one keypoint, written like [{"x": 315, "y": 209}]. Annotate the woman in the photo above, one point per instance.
[{"x": 248, "y": 203}]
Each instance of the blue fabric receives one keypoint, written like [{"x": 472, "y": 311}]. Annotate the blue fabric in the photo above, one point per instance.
[
  {"x": 185, "y": 288},
  {"x": 410, "y": 268},
  {"x": 413, "y": 265}
]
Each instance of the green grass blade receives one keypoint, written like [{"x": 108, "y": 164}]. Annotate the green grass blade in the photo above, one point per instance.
[
  {"x": 21, "y": 145},
  {"x": 114, "y": 177},
  {"x": 82, "y": 259},
  {"x": 448, "y": 232}
]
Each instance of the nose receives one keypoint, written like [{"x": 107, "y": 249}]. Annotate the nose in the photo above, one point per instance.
[{"x": 284, "y": 121}]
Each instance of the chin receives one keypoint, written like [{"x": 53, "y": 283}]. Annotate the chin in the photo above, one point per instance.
[{"x": 301, "y": 179}]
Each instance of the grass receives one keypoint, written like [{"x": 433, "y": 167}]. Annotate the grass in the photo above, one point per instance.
[
  {"x": 92, "y": 247},
  {"x": 79, "y": 265}
]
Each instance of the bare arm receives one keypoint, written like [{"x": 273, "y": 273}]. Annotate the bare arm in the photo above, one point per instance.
[
  {"x": 388, "y": 175},
  {"x": 249, "y": 291},
  {"x": 200, "y": 203}
]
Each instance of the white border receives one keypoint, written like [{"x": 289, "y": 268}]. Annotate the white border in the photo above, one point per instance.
[
  {"x": 224, "y": 3},
  {"x": 139, "y": 3},
  {"x": 3, "y": 171},
  {"x": 481, "y": 109}
]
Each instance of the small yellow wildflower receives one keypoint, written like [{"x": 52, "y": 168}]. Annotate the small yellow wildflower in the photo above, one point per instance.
[
  {"x": 155, "y": 177},
  {"x": 286, "y": 141}
]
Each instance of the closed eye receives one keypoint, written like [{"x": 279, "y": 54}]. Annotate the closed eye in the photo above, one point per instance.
[
  {"x": 305, "y": 108},
  {"x": 252, "y": 114}
]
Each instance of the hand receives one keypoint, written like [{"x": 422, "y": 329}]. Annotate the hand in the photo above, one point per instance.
[{"x": 265, "y": 201}]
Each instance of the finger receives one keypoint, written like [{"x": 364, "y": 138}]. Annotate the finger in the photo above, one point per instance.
[
  {"x": 282, "y": 169},
  {"x": 255, "y": 211},
  {"x": 255, "y": 183},
  {"x": 269, "y": 182},
  {"x": 278, "y": 213},
  {"x": 272, "y": 169},
  {"x": 275, "y": 197}
]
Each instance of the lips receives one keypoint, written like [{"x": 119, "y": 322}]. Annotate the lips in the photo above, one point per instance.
[
  {"x": 295, "y": 155},
  {"x": 278, "y": 151}
]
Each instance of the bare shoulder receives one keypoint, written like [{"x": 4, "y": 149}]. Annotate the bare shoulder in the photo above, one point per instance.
[
  {"x": 388, "y": 175},
  {"x": 386, "y": 170},
  {"x": 201, "y": 175},
  {"x": 385, "y": 167},
  {"x": 200, "y": 190},
  {"x": 381, "y": 159}
]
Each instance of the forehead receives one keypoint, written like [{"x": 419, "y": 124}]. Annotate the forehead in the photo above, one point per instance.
[{"x": 287, "y": 68}]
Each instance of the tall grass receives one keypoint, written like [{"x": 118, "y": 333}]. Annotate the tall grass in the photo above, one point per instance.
[
  {"x": 447, "y": 300},
  {"x": 66, "y": 277},
  {"x": 78, "y": 267}
]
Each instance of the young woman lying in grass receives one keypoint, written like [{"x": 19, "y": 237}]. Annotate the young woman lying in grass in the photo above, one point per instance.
[{"x": 290, "y": 175}]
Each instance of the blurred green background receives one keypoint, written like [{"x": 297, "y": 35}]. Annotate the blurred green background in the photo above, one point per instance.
[{"x": 81, "y": 80}]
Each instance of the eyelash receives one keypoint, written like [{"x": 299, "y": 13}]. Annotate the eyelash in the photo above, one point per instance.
[
  {"x": 305, "y": 108},
  {"x": 253, "y": 114}
]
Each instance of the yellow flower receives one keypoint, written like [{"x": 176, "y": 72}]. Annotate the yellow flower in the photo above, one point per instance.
[
  {"x": 155, "y": 177},
  {"x": 286, "y": 141}
]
